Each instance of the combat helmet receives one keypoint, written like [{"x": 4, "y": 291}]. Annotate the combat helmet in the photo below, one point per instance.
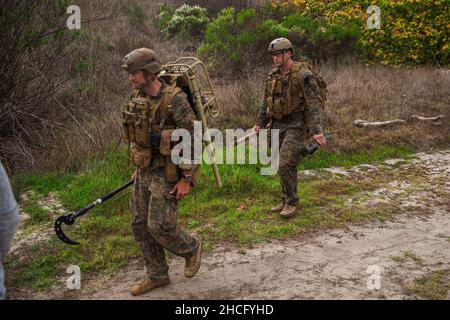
[
  {"x": 141, "y": 59},
  {"x": 280, "y": 45}
]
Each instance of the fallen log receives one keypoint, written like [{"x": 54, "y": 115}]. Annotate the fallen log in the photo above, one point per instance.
[
  {"x": 420, "y": 118},
  {"x": 363, "y": 123}
]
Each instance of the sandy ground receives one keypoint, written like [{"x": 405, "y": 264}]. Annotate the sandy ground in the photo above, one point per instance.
[{"x": 335, "y": 264}]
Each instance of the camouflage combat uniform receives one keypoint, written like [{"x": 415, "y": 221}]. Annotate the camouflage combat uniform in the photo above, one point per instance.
[
  {"x": 298, "y": 120},
  {"x": 154, "y": 210}
]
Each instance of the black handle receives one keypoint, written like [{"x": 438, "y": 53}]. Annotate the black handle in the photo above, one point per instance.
[
  {"x": 314, "y": 145},
  {"x": 102, "y": 199},
  {"x": 69, "y": 219}
]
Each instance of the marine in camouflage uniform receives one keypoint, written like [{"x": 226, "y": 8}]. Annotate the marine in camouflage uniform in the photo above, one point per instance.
[
  {"x": 293, "y": 105},
  {"x": 154, "y": 109}
]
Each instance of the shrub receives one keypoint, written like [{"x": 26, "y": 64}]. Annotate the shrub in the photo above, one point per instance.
[
  {"x": 187, "y": 22},
  {"x": 56, "y": 84},
  {"x": 412, "y": 32},
  {"x": 229, "y": 37},
  {"x": 25, "y": 90},
  {"x": 164, "y": 15},
  {"x": 136, "y": 14},
  {"x": 243, "y": 36}
]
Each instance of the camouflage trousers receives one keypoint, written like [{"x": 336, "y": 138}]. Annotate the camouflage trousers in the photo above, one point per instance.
[
  {"x": 154, "y": 222},
  {"x": 292, "y": 141}
]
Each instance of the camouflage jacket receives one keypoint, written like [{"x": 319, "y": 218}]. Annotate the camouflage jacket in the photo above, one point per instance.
[
  {"x": 310, "y": 114},
  {"x": 180, "y": 115}
]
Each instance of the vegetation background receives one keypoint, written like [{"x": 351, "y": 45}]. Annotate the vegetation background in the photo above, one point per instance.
[
  {"x": 61, "y": 90},
  {"x": 61, "y": 94}
]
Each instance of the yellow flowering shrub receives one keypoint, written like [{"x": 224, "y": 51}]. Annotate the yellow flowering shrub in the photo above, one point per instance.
[{"x": 411, "y": 31}]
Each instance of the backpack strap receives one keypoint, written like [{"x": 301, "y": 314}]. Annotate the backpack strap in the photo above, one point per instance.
[
  {"x": 169, "y": 94},
  {"x": 271, "y": 81},
  {"x": 166, "y": 108},
  {"x": 296, "y": 77},
  {"x": 317, "y": 78}
]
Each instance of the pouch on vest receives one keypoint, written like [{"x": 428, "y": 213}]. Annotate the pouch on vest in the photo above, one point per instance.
[
  {"x": 171, "y": 171},
  {"x": 126, "y": 129},
  {"x": 128, "y": 126},
  {"x": 278, "y": 88},
  {"x": 269, "y": 101},
  {"x": 278, "y": 105},
  {"x": 276, "y": 101},
  {"x": 142, "y": 131},
  {"x": 141, "y": 156},
  {"x": 141, "y": 124},
  {"x": 165, "y": 145}
]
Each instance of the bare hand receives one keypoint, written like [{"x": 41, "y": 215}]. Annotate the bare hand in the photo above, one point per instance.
[
  {"x": 181, "y": 188},
  {"x": 320, "y": 139},
  {"x": 256, "y": 128},
  {"x": 133, "y": 176}
]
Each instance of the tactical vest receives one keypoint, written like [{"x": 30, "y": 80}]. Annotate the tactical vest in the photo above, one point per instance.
[
  {"x": 148, "y": 125},
  {"x": 287, "y": 96}
]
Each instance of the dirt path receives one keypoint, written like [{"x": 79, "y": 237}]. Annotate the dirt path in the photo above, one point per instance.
[
  {"x": 332, "y": 265},
  {"x": 326, "y": 265}
]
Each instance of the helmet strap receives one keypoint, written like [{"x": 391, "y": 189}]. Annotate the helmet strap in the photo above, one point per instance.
[
  {"x": 147, "y": 75},
  {"x": 282, "y": 58}
]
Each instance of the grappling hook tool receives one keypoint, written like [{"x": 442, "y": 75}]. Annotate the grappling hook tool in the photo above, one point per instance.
[{"x": 69, "y": 219}]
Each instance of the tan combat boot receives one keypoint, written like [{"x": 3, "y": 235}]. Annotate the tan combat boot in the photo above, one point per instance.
[
  {"x": 147, "y": 285},
  {"x": 278, "y": 207},
  {"x": 288, "y": 211},
  {"x": 193, "y": 263}
]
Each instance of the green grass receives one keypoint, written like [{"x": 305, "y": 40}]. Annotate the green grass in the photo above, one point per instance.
[
  {"x": 407, "y": 254},
  {"x": 104, "y": 233},
  {"x": 37, "y": 214},
  {"x": 324, "y": 159},
  {"x": 418, "y": 260},
  {"x": 433, "y": 286},
  {"x": 39, "y": 268},
  {"x": 215, "y": 214}
]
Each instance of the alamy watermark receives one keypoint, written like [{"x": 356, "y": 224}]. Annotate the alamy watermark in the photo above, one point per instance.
[
  {"x": 374, "y": 20},
  {"x": 74, "y": 281},
  {"x": 374, "y": 278},
  {"x": 74, "y": 20},
  {"x": 190, "y": 149}
]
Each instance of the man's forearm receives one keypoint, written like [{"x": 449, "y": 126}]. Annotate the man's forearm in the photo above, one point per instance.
[
  {"x": 314, "y": 115},
  {"x": 314, "y": 106}
]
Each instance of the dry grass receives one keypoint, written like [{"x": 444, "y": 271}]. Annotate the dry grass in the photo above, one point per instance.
[
  {"x": 82, "y": 88},
  {"x": 357, "y": 91},
  {"x": 433, "y": 286},
  {"x": 378, "y": 93}
]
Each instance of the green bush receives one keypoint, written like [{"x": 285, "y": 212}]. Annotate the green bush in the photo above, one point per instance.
[
  {"x": 232, "y": 35},
  {"x": 219, "y": 37},
  {"x": 412, "y": 32},
  {"x": 136, "y": 14},
  {"x": 187, "y": 22},
  {"x": 240, "y": 37},
  {"x": 165, "y": 14}
]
